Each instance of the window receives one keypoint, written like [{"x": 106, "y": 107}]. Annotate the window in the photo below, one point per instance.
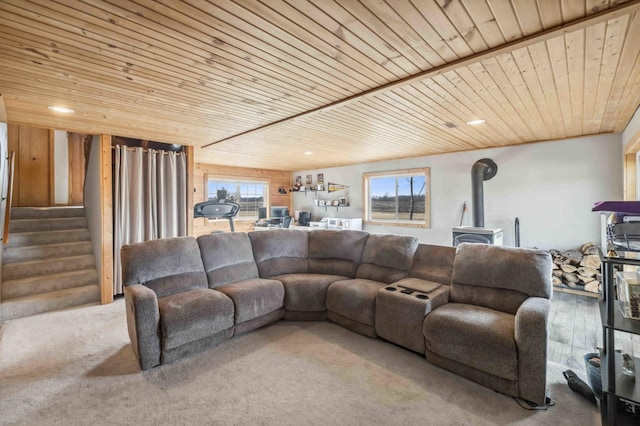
[
  {"x": 249, "y": 194},
  {"x": 399, "y": 198}
]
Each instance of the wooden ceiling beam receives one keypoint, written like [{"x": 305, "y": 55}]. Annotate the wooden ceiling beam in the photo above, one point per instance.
[{"x": 579, "y": 24}]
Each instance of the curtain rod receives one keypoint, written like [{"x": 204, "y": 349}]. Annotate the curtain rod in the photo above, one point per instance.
[{"x": 129, "y": 148}]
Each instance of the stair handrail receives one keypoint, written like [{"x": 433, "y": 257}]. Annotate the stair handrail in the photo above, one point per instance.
[{"x": 9, "y": 198}]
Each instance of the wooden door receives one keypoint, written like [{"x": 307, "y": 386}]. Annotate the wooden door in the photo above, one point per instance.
[{"x": 33, "y": 183}]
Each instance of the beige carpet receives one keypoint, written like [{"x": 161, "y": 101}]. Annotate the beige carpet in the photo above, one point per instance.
[{"x": 77, "y": 367}]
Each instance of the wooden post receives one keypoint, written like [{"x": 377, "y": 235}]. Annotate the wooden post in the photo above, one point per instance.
[
  {"x": 190, "y": 187},
  {"x": 106, "y": 208},
  {"x": 630, "y": 168}
]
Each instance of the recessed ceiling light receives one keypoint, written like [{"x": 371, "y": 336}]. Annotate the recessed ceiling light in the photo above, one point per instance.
[
  {"x": 476, "y": 122},
  {"x": 307, "y": 153},
  {"x": 61, "y": 109}
]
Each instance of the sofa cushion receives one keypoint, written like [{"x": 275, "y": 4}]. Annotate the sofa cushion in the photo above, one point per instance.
[
  {"x": 167, "y": 266},
  {"x": 354, "y": 299},
  {"x": 336, "y": 252},
  {"x": 433, "y": 263},
  {"x": 387, "y": 258},
  {"x": 475, "y": 336},
  {"x": 192, "y": 315},
  {"x": 227, "y": 258},
  {"x": 499, "y": 277},
  {"x": 254, "y": 298},
  {"x": 280, "y": 251},
  {"x": 306, "y": 292}
]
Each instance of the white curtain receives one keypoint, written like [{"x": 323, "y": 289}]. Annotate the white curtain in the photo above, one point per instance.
[{"x": 150, "y": 199}]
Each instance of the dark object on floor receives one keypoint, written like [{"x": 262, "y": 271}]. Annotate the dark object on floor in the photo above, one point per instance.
[{"x": 577, "y": 385}]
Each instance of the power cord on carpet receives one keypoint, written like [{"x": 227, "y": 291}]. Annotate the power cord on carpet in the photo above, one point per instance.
[{"x": 548, "y": 402}]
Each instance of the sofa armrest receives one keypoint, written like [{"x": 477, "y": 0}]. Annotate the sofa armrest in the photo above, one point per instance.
[
  {"x": 531, "y": 322},
  {"x": 438, "y": 297},
  {"x": 143, "y": 319}
]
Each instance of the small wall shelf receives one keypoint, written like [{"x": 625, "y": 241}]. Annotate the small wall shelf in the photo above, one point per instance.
[{"x": 315, "y": 191}]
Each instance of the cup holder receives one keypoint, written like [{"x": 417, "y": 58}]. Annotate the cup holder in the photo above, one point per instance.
[
  {"x": 390, "y": 288},
  {"x": 422, "y": 296}
]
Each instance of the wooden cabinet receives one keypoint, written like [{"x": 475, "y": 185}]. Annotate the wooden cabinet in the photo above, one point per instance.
[{"x": 33, "y": 173}]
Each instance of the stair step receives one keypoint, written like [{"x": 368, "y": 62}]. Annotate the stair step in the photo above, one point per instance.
[
  {"x": 45, "y": 212},
  {"x": 47, "y": 224},
  {"x": 47, "y": 302},
  {"x": 12, "y": 289},
  {"x": 21, "y": 239},
  {"x": 17, "y": 270},
  {"x": 41, "y": 252}
]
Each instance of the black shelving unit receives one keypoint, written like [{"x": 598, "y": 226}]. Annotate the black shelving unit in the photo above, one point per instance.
[{"x": 618, "y": 390}]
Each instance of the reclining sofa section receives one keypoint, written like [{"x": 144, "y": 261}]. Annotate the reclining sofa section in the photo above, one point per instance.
[{"x": 479, "y": 311}]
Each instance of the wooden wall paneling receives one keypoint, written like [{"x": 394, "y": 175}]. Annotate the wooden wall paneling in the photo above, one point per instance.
[
  {"x": 52, "y": 163},
  {"x": 106, "y": 172},
  {"x": 76, "y": 168},
  {"x": 13, "y": 135},
  {"x": 11, "y": 164}
]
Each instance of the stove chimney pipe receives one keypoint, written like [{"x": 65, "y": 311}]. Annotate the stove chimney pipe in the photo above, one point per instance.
[{"x": 481, "y": 170}]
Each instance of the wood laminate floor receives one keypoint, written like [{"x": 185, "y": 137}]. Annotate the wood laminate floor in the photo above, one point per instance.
[{"x": 576, "y": 329}]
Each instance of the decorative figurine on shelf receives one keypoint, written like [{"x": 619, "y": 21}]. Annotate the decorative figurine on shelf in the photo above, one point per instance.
[
  {"x": 628, "y": 365},
  {"x": 297, "y": 187}
]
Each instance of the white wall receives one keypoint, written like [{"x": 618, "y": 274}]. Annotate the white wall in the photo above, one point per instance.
[
  {"x": 92, "y": 202},
  {"x": 61, "y": 167},
  {"x": 550, "y": 186}
]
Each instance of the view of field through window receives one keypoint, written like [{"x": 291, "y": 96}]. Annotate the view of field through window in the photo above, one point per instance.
[
  {"x": 399, "y": 198},
  {"x": 250, "y": 195}
]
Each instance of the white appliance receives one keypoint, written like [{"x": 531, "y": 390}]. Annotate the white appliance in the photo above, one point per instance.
[
  {"x": 334, "y": 223},
  {"x": 352, "y": 223}
]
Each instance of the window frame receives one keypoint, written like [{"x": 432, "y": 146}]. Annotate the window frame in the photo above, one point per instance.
[
  {"x": 366, "y": 202},
  {"x": 235, "y": 180}
]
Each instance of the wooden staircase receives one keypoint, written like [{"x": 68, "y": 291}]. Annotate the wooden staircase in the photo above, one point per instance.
[{"x": 48, "y": 264}]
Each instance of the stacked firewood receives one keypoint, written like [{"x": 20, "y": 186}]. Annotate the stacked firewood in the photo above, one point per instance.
[{"x": 578, "y": 269}]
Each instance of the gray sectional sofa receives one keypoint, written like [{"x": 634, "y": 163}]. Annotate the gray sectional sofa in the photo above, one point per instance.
[{"x": 480, "y": 311}]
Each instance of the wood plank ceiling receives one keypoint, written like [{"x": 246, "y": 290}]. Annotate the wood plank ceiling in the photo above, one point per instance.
[{"x": 257, "y": 83}]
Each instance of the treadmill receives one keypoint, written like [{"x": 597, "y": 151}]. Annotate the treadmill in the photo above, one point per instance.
[{"x": 217, "y": 210}]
